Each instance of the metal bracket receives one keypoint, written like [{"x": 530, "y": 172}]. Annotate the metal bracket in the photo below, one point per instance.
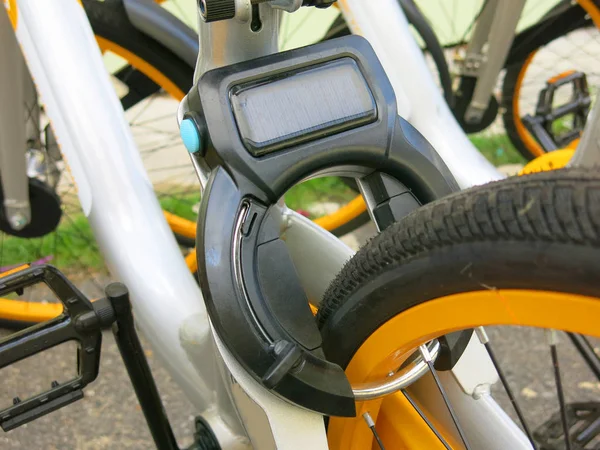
[
  {"x": 487, "y": 51},
  {"x": 13, "y": 172},
  {"x": 472, "y": 64}
]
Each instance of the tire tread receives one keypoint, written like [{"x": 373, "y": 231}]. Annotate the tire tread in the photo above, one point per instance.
[{"x": 552, "y": 207}]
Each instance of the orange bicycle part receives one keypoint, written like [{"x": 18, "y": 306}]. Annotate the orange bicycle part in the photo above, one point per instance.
[{"x": 402, "y": 334}]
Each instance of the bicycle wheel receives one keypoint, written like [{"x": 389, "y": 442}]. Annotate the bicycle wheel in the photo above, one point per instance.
[
  {"x": 572, "y": 43},
  {"x": 462, "y": 262}
]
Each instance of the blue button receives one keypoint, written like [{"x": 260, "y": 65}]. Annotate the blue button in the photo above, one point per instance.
[{"x": 190, "y": 136}]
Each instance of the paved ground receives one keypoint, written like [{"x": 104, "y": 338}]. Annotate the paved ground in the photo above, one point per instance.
[{"x": 108, "y": 418}]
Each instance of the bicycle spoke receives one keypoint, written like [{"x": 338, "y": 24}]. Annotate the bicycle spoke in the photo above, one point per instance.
[
  {"x": 587, "y": 352},
  {"x": 143, "y": 110},
  {"x": 552, "y": 338},
  {"x": 484, "y": 339},
  {"x": 426, "y": 420},
  {"x": 371, "y": 425},
  {"x": 145, "y": 127},
  {"x": 427, "y": 358},
  {"x": 152, "y": 150}
]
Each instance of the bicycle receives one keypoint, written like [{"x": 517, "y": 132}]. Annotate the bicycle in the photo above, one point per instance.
[
  {"x": 181, "y": 200},
  {"x": 141, "y": 68},
  {"x": 549, "y": 38},
  {"x": 186, "y": 341},
  {"x": 148, "y": 52}
]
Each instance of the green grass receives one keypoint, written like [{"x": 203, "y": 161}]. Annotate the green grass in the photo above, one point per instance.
[
  {"x": 328, "y": 189},
  {"x": 497, "y": 149},
  {"x": 73, "y": 246},
  {"x": 182, "y": 206}
]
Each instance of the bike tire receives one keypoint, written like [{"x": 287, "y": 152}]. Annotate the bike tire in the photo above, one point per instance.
[
  {"x": 109, "y": 20},
  {"x": 479, "y": 242}
]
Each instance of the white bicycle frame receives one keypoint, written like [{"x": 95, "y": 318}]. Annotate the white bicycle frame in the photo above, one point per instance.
[{"x": 117, "y": 197}]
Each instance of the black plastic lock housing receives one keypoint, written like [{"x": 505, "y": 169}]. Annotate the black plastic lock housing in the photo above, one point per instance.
[{"x": 250, "y": 286}]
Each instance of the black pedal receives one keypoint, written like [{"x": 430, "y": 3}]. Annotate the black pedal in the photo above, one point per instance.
[
  {"x": 541, "y": 126},
  {"x": 583, "y": 421},
  {"x": 80, "y": 321}
]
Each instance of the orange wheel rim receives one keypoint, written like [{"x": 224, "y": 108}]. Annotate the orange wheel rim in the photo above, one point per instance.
[
  {"x": 342, "y": 216},
  {"x": 11, "y": 10},
  {"x": 528, "y": 140},
  {"x": 556, "y": 159},
  {"x": 415, "y": 326},
  {"x": 143, "y": 66}
]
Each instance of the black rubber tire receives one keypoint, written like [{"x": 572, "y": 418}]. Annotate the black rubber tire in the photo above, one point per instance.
[
  {"x": 109, "y": 20},
  {"x": 539, "y": 232},
  {"x": 525, "y": 44}
]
